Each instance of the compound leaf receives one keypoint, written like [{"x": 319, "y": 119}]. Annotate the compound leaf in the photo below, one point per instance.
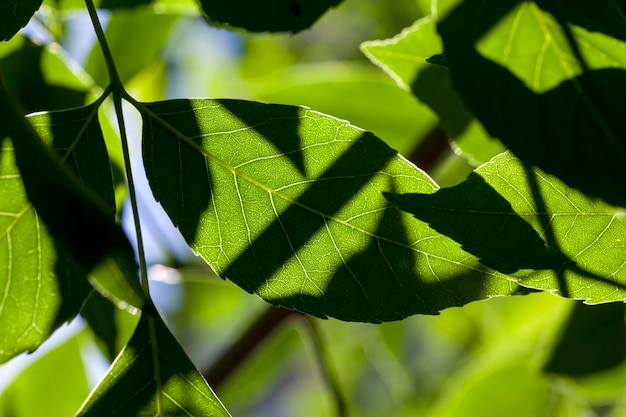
[{"x": 287, "y": 202}]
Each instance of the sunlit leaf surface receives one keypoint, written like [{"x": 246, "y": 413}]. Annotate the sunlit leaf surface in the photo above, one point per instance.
[
  {"x": 42, "y": 283},
  {"x": 164, "y": 381},
  {"x": 14, "y": 15},
  {"x": 268, "y": 15},
  {"x": 531, "y": 226},
  {"x": 288, "y": 203},
  {"x": 548, "y": 79}
]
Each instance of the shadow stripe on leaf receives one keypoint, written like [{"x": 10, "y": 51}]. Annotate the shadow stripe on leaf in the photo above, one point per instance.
[
  {"x": 295, "y": 212},
  {"x": 532, "y": 227}
]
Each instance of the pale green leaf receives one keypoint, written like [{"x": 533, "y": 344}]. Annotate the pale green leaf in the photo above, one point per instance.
[
  {"x": 288, "y": 203},
  {"x": 152, "y": 376},
  {"x": 532, "y": 227},
  {"x": 54, "y": 384},
  {"x": 43, "y": 282},
  {"x": 405, "y": 58}
]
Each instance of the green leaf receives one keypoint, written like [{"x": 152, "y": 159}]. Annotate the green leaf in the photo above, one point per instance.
[
  {"x": 50, "y": 246},
  {"x": 136, "y": 38},
  {"x": 55, "y": 381},
  {"x": 267, "y": 16},
  {"x": 14, "y": 15},
  {"x": 406, "y": 58},
  {"x": 548, "y": 80},
  {"x": 594, "y": 340},
  {"x": 164, "y": 381},
  {"x": 532, "y": 227},
  {"x": 287, "y": 202}
]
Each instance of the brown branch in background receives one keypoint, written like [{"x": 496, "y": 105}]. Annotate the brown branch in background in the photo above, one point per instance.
[
  {"x": 430, "y": 150},
  {"x": 253, "y": 336}
]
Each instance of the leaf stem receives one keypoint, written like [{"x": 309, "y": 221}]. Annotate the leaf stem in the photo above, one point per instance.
[{"x": 114, "y": 79}]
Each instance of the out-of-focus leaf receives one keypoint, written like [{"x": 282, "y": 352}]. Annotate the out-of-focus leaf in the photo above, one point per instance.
[
  {"x": 165, "y": 381},
  {"x": 405, "y": 58},
  {"x": 48, "y": 252},
  {"x": 55, "y": 384},
  {"x": 123, "y": 4},
  {"x": 351, "y": 92},
  {"x": 593, "y": 341},
  {"x": 531, "y": 226},
  {"x": 287, "y": 202},
  {"x": 14, "y": 15},
  {"x": 24, "y": 72},
  {"x": 268, "y": 15},
  {"x": 136, "y": 38},
  {"x": 549, "y": 80}
]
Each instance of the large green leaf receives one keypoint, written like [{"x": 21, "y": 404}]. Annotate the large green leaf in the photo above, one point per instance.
[
  {"x": 47, "y": 253},
  {"x": 14, "y": 15},
  {"x": 548, "y": 79},
  {"x": 287, "y": 202},
  {"x": 405, "y": 58},
  {"x": 268, "y": 15},
  {"x": 531, "y": 226},
  {"x": 152, "y": 376}
]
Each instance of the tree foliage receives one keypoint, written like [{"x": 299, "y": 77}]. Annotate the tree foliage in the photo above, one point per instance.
[{"x": 316, "y": 215}]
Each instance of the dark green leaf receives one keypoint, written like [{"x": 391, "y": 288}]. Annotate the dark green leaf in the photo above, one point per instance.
[
  {"x": 267, "y": 16},
  {"x": 594, "y": 340},
  {"x": 14, "y": 15},
  {"x": 531, "y": 226},
  {"x": 152, "y": 376},
  {"x": 54, "y": 232},
  {"x": 548, "y": 80},
  {"x": 287, "y": 202}
]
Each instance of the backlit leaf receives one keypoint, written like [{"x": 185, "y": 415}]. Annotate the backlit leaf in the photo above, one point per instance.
[
  {"x": 164, "y": 381},
  {"x": 43, "y": 282},
  {"x": 268, "y": 15},
  {"x": 287, "y": 202},
  {"x": 548, "y": 79},
  {"x": 531, "y": 226}
]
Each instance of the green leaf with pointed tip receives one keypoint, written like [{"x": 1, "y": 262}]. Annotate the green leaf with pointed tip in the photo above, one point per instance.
[
  {"x": 287, "y": 202},
  {"x": 47, "y": 253},
  {"x": 532, "y": 227},
  {"x": 268, "y": 15},
  {"x": 406, "y": 58},
  {"x": 14, "y": 15},
  {"x": 549, "y": 80},
  {"x": 161, "y": 378}
]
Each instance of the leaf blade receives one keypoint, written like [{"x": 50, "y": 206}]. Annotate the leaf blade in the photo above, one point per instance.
[{"x": 287, "y": 202}]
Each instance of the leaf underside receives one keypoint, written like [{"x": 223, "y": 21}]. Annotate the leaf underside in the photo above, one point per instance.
[
  {"x": 288, "y": 203},
  {"x": 14, "y": 15}
]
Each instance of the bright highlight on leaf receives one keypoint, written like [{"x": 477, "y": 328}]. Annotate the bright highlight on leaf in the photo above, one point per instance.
[
  {"x": 288, "y": 203},
  {"x": 165, "y": 381}
]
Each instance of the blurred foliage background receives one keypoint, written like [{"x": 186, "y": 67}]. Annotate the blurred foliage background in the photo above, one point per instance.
[{"x": 492, "y": 358}]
